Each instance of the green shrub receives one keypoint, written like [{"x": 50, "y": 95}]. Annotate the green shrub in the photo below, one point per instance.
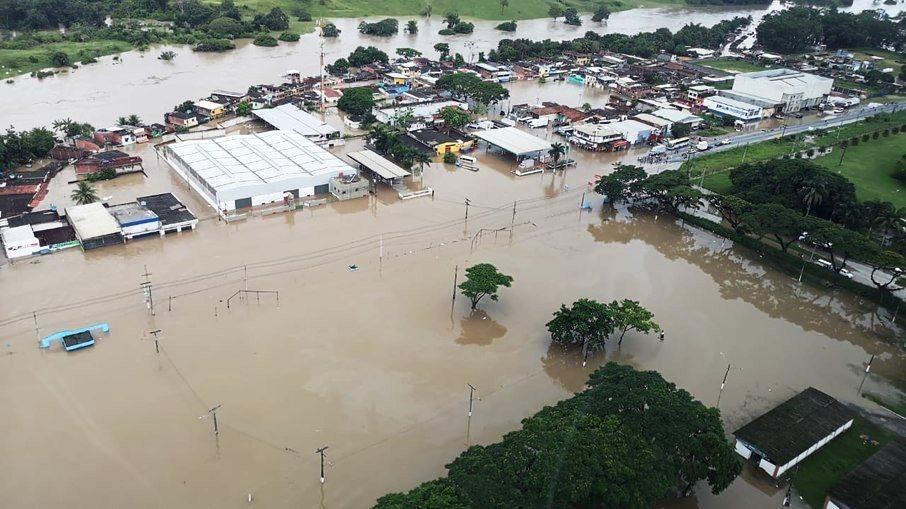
[
  {"x": 289, "y": 37},
  {"x": 266, "y": 40},
  {"x": 450, "y": 158}
]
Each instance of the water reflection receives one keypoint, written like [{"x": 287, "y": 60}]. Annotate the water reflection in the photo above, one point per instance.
[
  {"x": 479, "y": 329},
  {"x": 834, "y": 313}
]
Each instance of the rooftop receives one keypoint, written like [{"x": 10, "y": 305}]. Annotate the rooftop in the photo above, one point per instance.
[
  {"x": 92, "y": 220},
  {"x": 235, "y": 161},
  {"x": 514, "y": 140},
  {"x": 132, "y": 213},
  {"x": 208, "y": 105},
  {"x": 878, "y": 483},
  {"x": 378, "y": 164},
  {"x": 168, "y": 208},
  {"x": 288, "y": 117},
  {"x": 795, "y": 425}
]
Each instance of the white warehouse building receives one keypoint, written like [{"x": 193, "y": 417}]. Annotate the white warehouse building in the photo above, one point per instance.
[
  {"x": 241, "y": 171},
  {"x": 788, "y": 89}
]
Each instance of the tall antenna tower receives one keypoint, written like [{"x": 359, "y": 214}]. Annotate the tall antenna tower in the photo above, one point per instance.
[{"x": 320, "y": 26}]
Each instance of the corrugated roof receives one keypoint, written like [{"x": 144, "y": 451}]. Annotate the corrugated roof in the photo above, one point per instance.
[
  {"x": 378, "y": 164},
  {"x": 514, "y": 140},
  {"x": 878, "y": 483},
  {"x": 288, "y": 117},
  {"x": 795, "y": 425},
  {"x": 92, "y": 220}
]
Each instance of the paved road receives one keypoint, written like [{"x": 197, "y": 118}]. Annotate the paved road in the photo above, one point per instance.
[{"x": 744, "y": 138}]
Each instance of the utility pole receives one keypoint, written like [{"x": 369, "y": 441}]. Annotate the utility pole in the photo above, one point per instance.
[
  {"x": 381, "y": 255},
  {"x": 455, "y": 278},
  {"x": 842, "y": 155},
  {"x": 146, "y": 288},
  {"x": 867, "y": 369},
  {"x": 513, "y": 222},
  {"x": 722, "y": 384},
  {"x": 321, "y": 452},
  {"x": 467, "y": 209},
  {"x": 213, "y": 413},
  {"x": 156, "y": 333},
  {"x": 471, "y": 392}
]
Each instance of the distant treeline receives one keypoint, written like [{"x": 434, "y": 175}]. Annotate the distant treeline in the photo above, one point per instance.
[
  {"x": 800, "y": 28},
  {"x": 645, "y": 44}
]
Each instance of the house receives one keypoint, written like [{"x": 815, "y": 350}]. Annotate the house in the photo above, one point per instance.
[
  {"x": 634, "y": 131},
  {"x": 19, "y": 241},
  {"x": 675, "y": 116},
  {"x": 209, "y": 109},
  {"x": 109, "y": 160},
  {"x": 53, "y": 232},
  {"x": 135, "y": 220},
  {"x": 228, "y": 97},
  {"x": 330, "y": 95},
  {"x": 778, "y": 440},
  {"x": 174, "y": 217},
  {"x": 663, "y": 125},
  {"x": 425, "y": 110},
  {"x": 94, "y": 226},
  {"x": 598, "y": 137},
  {"x": 441, "y": 142},
  {"x": 181, "y": 119},
  {"x": 739, "y": 110},
  {"x": 878, "y": 483},
  {"x": 116, "y": 135},
  {"x": 697, "y": 93},
  {"x": 67, "y": 152}
]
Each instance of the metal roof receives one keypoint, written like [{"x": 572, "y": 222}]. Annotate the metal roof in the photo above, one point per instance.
[
  {"x": 514, "y": 140},
  {"x": 92, "y": 220},
  {"x": 288, "y": 117},
  {"x": 877, "y": 483},
  {"x": 233, "y": 162},
  {"x": 795, "y": 425},
  {"x": 378, "y": 164}
]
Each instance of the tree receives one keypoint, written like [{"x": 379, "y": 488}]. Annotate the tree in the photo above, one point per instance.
[
  {"x": 629, "y": 315},
  {"x": 244, "y": 108},
  {"x": 812, "y": 194},
  {"x": 451, "y": 19},
  {"x": 185, "y": 107},
  {"x": 412, "y": 26},
  {"x": 587, "y": 323},
  {"x": 601, "y": 13},
  {"x": 784, "y": 224},
  {"x": 730, "y": 209},
  {"x": 483, "y": 280},
  {"x": 330, "y": 30},
  {"x": 167, "y": 55},
  {"x": 839, "y": 243},
  {"x": 356, "y": 101},
  {"x": 455, "y": 118},
  {"x": 408, "y": 52},
  {"x": 84, "y": 194},
  {"x": 680, "y": 130},
  {"x": 363, "y": 56},
  {"x": 506, "y": 26},
  {"x": 339, "y": 68},
  {"x": 557, "y": 151},
  {"x": 887, "y": 270},
  {"x": 59, "y": 59},
  {"x": 265, "y": 39},
  {"x": 276, "y": 19},
  {"x": 555, "y": 11},
  {"x": 504, "y": 4},
  {"x": 617, "y": 185},
  {"x": 444, "y": 50},
  {"x": 571, "y": 16},
  {"x": 70, "y": 129},
  {"x": 383, "y": 28},
  {"x": 132, "y": 120}
]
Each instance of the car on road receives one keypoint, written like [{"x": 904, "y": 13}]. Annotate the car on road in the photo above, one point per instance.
[
  {"x": 845, "y": 273},
  {"x": 726, "y": 141}
]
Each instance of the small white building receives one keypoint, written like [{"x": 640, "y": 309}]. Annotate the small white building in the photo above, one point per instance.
[
  {"x": 135, "y": 220},
  {"x": 633, "y": 131},
  {"x": 94, "y": 226},
  {"x": 731, "y": 107},
  {"x": 417, "y": 110},
  {"x": 675, "y": 116},
  {"x": 288, "y": 117},
  {"x": 242, "y": 171},
  {"x": 594, "y": 136},
  {"x": 19, "y": 241},
  {"x": 786, "y": 435}
]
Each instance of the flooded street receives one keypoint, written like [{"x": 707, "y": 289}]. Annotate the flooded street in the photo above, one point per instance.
[{"x": 374, "y": 362}]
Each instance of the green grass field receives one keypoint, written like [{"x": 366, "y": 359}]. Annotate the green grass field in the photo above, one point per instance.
[
  {"x": 868, "y": 165},
  {"x": 820, "y": 471},
  {"x": 15, "y": 62},
  {"x": 730, "y": 65}
]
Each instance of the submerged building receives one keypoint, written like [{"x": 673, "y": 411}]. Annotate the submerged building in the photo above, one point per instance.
[{"x": 242, "y": 171}]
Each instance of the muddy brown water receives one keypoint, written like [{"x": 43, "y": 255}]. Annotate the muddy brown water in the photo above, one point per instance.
[{"x": 374, "y": 362}]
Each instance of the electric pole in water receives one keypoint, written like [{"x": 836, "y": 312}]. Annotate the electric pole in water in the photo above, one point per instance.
[
  {"x": 467, "y": 209},
  {"x": 867, "y": 369},
  {"x": 471, "y": 392},
  {"x": 213, "y": 413},
  {"x": 321, "y": 452},
  {"x": 722, "y": 384},
  {"x": 156, "y": 333},
  {"x": 146, "y": 288}
]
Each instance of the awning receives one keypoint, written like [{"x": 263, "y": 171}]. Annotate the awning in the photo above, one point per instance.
[{"x": 372, "y": 161}]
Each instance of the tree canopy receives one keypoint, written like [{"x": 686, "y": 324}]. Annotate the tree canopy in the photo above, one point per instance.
[
  {"x": 626, "y": 441},
  {"x": 469, "y": 86},
  {"x": 799, "y": 28},
  {"x": 483, "y": 280},
  {"x": 356, "y": 101},
  {"x": 20, "y": 147},
  {"x": 384, "y": 28}
]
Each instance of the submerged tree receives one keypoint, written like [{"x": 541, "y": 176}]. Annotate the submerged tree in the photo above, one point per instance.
[
  {"x": 587, "y": 322},
  {"x": 629, "y": 315},
  {"x": 483, "y": 280},
  {"x": 84, "y": 194}
]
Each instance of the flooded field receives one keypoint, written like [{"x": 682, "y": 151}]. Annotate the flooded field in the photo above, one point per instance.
[{"x": 374, "y": 362}]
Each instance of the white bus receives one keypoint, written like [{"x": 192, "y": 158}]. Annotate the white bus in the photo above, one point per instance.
[{"x": 677, "y": 143}]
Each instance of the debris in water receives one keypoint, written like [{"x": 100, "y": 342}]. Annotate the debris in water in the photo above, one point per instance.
[{"x": 353, "y": 268}]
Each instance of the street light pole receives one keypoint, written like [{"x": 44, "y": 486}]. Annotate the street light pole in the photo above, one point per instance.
[
  {"x": 471, "y": 392},
  {"x": 321, "y": 452}
]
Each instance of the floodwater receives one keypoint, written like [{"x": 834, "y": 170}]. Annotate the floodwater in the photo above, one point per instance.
[
  {"x": 374, "y": 362},
  {"x": 140, "y": 83}
]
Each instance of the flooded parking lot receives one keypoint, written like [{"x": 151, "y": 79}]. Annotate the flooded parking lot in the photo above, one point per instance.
[{"x": 374, "y": 362}]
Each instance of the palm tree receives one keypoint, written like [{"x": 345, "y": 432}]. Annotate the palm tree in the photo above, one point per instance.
[
  {"x": 422, "y": 159},
  {"x": 888, "y": 218},
  {"x": 557, "y": 151},
  {"x": 812, "y": 194},
  {"x": 84, "y": 194}
]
